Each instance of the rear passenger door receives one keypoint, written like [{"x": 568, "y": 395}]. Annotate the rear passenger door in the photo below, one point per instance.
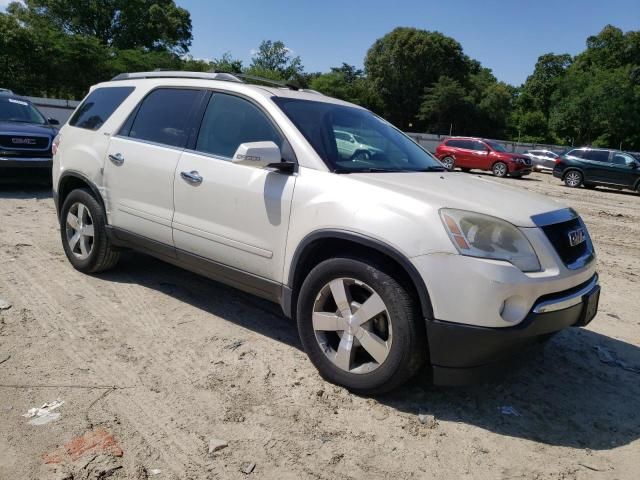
[
  {"x": 236, "y": 215},
  {"x": 142, "y": 160},
  {"x": 622, "y": 169},
  {"x": 596, "y": 166},
  {"x": 462, "y": 152}
]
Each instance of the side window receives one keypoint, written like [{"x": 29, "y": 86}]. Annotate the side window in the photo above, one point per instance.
[
  {"x": 455, "y": 143},
  {"x": 163, "y": 116},
  {"x": 479, "y": 146},
  {"x": 576, "y": 153},
  {"x": 623, "y": 159},
  {"x": 98, "y": 107},
  {"x": 230, "y": 121},
  {"x": 342, "y": 136},
  {"x": 596, "y": 155}
]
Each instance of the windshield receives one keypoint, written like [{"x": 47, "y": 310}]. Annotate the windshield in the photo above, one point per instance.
[
  {"x": 14, "y": 110},
  {"x": 379, "y": 146},
  {"x": 496, "y": 146}
]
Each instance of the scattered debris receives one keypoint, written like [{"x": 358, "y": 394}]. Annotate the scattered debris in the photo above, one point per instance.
[
  {"x": 509, "y": 410},
  {"x": 613, "y": 315},
  {"x": 4, "y": 305},
  {"x": 609, "y": 214},
  {"x": 44, "y": 414},
  {"x": 610, "y": 358},
  {"x": 155, "y": 471},
  {"x": 590, "y": 468},
  {"x": 5, "y": 359},
  {"x": 234, "y": 345},
  {"x": 247, "y": 468},
  {"x": 216, "y": 444},
  {"x": 97, "y": 442},
  {"x": 427, "y": 419}
]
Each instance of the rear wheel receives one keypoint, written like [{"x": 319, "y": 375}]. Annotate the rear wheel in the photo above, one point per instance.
[
  {"x": 500, "y": 169},
  {"x": 573, "y": 179},
  {"x": 359, "y": 326},
  {"x": 448, "y": 162},
  {"x": 362, "y": 156},
  {"x": 84, "y": 234}
]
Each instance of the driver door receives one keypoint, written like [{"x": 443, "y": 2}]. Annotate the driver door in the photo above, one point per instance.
[{"x": 235, "y": 215}]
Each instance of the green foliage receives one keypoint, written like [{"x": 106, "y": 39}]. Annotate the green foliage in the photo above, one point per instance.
[
  {"x": 347, "y": 83},
  {"x": 273, "y": 60},
  {"x": 404, "y": 62}
]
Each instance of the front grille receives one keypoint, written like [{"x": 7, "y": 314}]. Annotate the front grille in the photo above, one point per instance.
[
  {"x": 24, "y": 142},
  {"x": 558, "y": 235}
]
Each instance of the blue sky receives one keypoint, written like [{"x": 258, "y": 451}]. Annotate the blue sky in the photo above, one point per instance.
[{"x": 506, "y": 36}]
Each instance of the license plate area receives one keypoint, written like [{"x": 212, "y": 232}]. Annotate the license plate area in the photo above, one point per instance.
[{"x": 589, "y": 306}]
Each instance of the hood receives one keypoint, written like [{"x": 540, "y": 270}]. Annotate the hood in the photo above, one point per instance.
[
  {"x": 465, "y": 192},
  {"x": 27, "y": 129}
]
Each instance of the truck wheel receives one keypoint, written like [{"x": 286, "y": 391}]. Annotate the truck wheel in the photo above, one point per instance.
[
  {"x": 500, "y": 169},
  {"x": 84, "y": 236},
  {"x": 359, "y": 326},
  {"x": 573, "y": 179},
  {"x": 448, "y": 162}
]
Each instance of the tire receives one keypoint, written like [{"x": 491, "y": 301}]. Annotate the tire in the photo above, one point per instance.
[
  {"x": 449, "y": 163},
  {"x": 88, "y": 253},
  {"x": 500, "y": 169},
  {"x": 361, "y": 155},
  {"x": 573, "y": 179},
  {"x": 399, "y": 326}
]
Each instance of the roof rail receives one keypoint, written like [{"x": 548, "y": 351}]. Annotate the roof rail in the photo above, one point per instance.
[
  {"x": 6, "y": 91},
  {"x": 228, "y": 77},
  {"x": 268, "y": 81}
]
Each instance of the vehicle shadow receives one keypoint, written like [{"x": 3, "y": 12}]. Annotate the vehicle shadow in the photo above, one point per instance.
[
  {"x": 573, "y": 392},
  {"x": 23, "y": 190},
  {"x": 602, "y": 189},
  {"x": 564, "y": 393},
  {"x": 241, "y": 308},
  {"x": 526, "y": 178}
]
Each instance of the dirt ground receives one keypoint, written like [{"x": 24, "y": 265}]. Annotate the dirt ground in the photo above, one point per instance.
[{"x": 153, "y": 362}]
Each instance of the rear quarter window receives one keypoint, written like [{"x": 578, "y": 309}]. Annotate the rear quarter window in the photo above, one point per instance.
[{"x": 99, "y": 106}]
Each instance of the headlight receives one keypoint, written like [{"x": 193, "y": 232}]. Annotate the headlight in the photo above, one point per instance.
[{"x": 483, "y": 236}]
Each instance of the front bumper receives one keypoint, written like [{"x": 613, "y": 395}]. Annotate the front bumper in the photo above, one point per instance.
[
  {"x": 25, "y": 162},
  {"x": 462, "y": 354}
]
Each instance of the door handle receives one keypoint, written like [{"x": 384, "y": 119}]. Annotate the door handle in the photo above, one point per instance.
[
  {"x": 116, "y": 158},
  {"x": 192, "y": 177}
]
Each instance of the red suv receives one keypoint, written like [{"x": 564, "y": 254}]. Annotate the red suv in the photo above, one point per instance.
[{"x": 481, "y": 154}]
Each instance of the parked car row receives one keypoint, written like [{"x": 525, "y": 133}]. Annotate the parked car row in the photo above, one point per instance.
[{"x": 588, "y": 167}]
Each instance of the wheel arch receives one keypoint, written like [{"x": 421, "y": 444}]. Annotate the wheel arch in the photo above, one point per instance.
[
  {"x": 71, "y": 180},
  {"x": 323, "y": 244}
]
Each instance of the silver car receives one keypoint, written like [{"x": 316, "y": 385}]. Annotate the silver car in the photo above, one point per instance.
[{"x": 542, "y": 160}]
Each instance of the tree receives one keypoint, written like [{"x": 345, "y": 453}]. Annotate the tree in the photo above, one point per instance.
[
  {"x": 444, "y": 104},
  {"x": 404, "y": 62},
  {"x": 347, "y": 83},
  {"x": 122, "y": 24},
  {"x": 273, "y": 60}
]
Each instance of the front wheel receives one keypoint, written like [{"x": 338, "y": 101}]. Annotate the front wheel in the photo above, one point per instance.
[
  {"x": 448, "y": 162},
  {"x": 84, "y": 234},
  {"x": 500, "y": 169},
  {"x": 359, "y": 326},
  {"x": 573, "y": 179}
]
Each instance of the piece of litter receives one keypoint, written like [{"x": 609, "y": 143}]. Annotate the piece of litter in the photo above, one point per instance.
[
  {"x": 155, "y": 471},
  {"x": 4, "y": 305},
  {"x": 216, "y": 444},
  {"x": 509, "y": 410},
  {"x": 428, "y": 420},
  {"x": 44, "y": 414},
  {"x": 235, "y": 345},
  {"x": 248, "y": 468},
  {"x": 610, "y": 358}
]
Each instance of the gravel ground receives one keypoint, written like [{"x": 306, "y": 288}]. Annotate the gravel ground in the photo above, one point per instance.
[{"x": 154, "y": 363}]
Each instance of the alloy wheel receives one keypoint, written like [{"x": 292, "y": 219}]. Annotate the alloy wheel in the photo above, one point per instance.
[
  {"x": 80, "y": 231},
  {"x": 500, "y": 169},
  {"x": 573, "y": 179},
  {"x": 352, "y": 325},
  {"x": 448, "y": 163}
]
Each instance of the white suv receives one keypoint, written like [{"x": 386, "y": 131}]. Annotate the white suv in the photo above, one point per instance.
[{"x": 386, "y": 261}]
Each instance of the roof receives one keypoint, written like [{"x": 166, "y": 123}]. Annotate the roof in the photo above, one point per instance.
[{"x": 279, "y": 89}]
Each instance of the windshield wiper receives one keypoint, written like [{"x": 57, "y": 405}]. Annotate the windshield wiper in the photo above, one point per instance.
[{"x": 435, "y": 168}]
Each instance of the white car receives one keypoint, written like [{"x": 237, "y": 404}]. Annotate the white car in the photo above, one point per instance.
[
  {"x": 542, "y": 160},
  {"x": 386, "y": 264}
]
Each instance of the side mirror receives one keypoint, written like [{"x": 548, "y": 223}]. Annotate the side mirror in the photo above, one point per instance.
[
  {"x": 257, "y": 154},
  {"x": 53, "y": 121}
]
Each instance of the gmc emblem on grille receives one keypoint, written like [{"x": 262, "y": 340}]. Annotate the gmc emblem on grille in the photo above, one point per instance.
[
  {"x": 23, "y": 141},
  {"x": 576, "y": 237}
]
